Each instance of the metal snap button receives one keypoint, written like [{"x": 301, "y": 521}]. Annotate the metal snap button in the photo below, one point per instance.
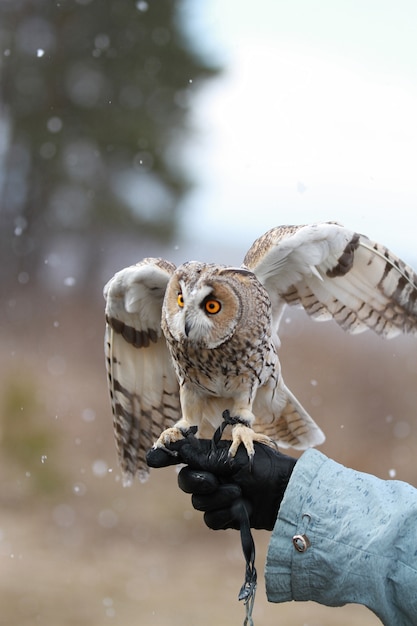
[{"x": 301, "y": 542}]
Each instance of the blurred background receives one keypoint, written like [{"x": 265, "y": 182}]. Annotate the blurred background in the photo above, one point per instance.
[{"x": 182, "y": 129}]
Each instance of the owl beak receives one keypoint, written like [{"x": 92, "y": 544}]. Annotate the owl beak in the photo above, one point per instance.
[{"x": 187, "y": 328}]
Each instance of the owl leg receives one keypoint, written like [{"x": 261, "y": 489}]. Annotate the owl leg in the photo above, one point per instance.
[
  {"x": 242, "y": 432},
  {"x": 246, "y": 435}
]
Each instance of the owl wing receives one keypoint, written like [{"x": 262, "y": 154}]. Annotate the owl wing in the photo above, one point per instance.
[
  {"x": 143, "y": 387},
  {"x": 334, "y": 272},
  {"x": 280, "y": 416}
]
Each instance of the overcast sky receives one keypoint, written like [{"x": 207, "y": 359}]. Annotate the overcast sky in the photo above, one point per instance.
[{"x": 314, "y": 118}]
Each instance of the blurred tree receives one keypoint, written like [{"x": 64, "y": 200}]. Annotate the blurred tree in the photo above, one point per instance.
[{"x": 94, "y": 99}]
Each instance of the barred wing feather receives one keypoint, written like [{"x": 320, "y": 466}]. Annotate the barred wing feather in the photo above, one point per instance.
[
  {"x": 336, "y": 273},
  {"x": 143, "y": 387}
]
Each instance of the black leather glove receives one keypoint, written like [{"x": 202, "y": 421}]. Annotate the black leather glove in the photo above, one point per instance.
[{"x": 220, "y": 484}]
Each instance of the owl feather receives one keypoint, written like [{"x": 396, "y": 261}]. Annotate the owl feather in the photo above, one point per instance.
[
  {"x": 333, "y": 272},
  {"x": 143, "y": 387},
  {"x": 184, "y": 344}
]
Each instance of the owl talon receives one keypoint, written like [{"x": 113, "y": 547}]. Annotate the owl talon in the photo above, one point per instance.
[
  {"x": 173, "y": 434},
  {"x": 170, "y": 435},
  {"x": 245, "y": 435}
]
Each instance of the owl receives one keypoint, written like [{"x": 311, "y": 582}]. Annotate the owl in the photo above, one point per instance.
[{"x": 185, "y": 344}]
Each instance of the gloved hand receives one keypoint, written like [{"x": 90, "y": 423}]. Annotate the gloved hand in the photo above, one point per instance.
[{"x": 220, "y": 484}]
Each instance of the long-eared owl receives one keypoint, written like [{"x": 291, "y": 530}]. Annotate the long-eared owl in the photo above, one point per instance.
[{"x": 184, "y": 344}]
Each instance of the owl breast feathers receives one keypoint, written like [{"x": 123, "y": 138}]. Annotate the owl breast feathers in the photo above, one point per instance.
[{"x": 184, "y": 344}]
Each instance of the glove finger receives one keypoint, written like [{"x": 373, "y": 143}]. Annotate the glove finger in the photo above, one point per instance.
[
  {"x": 220, "y": 519},
  {"x": 159, "y": 457},
  {"x": 223, "y": 497},
  {"x": 171, "y": 453},
  {"x": 205, "y": 456},
  {"x": 197, "y": 481}
]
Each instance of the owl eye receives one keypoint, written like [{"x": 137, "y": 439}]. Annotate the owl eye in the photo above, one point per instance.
[
  {"x": 212, "y": 306},
  {"x": 180, "y": 300}
]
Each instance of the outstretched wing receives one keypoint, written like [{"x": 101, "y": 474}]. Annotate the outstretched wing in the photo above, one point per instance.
[
  {"x": 336, "y": 273},
  {"x": 143, "y": 387}
]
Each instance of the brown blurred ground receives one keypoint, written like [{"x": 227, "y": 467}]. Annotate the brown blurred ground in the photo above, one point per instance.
[{"x": 76, "y": 548}]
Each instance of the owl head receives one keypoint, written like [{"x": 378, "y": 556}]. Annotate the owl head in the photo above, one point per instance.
[{"x": 205, "y": 304}]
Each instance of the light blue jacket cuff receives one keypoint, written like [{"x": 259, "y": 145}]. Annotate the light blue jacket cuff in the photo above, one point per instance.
[
  {"x": 357, "y": 541},
  {"x": 284, "y": 562}
]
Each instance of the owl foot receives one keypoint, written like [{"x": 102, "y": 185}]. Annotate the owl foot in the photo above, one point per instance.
[
  {"x": 246, "y": 435},
  {"x": 171, "y": 435}
]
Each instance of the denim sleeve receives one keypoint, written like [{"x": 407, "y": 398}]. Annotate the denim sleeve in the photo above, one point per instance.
[{"x": 344, "y": 536}]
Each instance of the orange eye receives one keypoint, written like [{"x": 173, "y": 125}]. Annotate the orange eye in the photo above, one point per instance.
[
  {"x": 180, "y": 299},
  {"x": 212, "y": 306}
]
